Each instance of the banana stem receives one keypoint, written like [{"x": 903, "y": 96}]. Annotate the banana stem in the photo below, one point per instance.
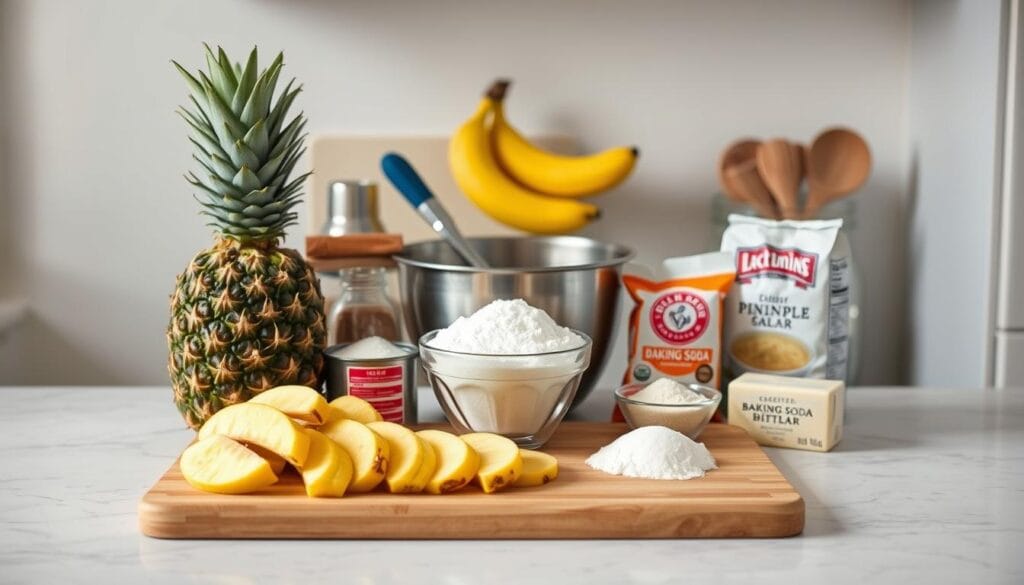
[{"x": 496, "y": 91}]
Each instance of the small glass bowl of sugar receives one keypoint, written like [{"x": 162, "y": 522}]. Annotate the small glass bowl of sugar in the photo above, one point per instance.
[{"x": 686, "y": 408}]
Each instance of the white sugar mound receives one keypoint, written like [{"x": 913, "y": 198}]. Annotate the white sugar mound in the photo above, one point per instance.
[
  {"x": 506, "y": 328},
  {"x": 668, "y": 391},
  {"x": 653, "y": 453},
  {"x": 370, "y": 348}
]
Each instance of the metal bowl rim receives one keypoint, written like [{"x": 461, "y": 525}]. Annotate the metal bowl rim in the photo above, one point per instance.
[{"x": 622, "y": 253}]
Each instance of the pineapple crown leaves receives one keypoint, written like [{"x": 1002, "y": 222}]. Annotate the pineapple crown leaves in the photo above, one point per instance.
[{"x": 244, "y": 146}]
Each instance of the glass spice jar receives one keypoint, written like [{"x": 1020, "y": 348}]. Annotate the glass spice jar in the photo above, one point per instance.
[{"x": 363, "y": 309}]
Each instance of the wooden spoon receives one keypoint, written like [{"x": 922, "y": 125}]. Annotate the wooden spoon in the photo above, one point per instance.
[
  {"x": 781, "y": 166},
  {"x": 737, "y": 175},
  {"x": 838, "y": 162}
]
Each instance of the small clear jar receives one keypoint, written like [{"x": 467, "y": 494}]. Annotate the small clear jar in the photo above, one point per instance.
[
  {"x": 363, "y": 308},
  {"x": 722, "y": 207}
]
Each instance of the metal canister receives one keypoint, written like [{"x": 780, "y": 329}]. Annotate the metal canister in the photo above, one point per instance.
[
  {"x": 389, "y": 384},
  {"x": 352, "y": 209}
]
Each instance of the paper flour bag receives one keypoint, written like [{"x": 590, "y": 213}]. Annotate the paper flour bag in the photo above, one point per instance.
[
  {"x": 788, "y": 312},
  {"x": 675, "y": 328}
]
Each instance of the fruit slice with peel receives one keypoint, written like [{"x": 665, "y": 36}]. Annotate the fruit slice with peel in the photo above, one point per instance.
[
  {"x": 429, "y": 465},
  {"x": 406, "y": 457},
  {"x": 299, "y": 402},
  {"x": 352, "y": 408},
  {"x": 369, "y": 452},
  {"x": 457, "y": 462},
  {"x": 224, "y": 466},
  {"x": 259, "y": 424},
  {"x": 500, "y": 461},
  {"x": 555, "y": 174},
  {"x": 538, "y": 469},
  {"x": 328, "y": 468},
  {"x": 276, "y": 462}
]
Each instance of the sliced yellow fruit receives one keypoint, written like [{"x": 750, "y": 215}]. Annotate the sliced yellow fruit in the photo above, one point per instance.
[
  {"x": 352, "y": 408},
  {"x": 500, "y": 461},
  {"x": 259, "y": 424},
  {"x": 221, "y": 465},
  {"x": 457, "y": 462},
  {"x": 405, "y": 459},
  {"x": 328, "y": 468},
  {"x": 276, "y": 462},
  {"x": 369, "y": 452},
  {"x": 299, "y": 402},
  {"x": 429, "y": 465},
  {"x": 538, "y": 469}
]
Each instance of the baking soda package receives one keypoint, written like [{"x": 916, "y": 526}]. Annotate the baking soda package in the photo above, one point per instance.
[
  {"x": 675, "y": 328},
  {"x": 789, "y": 310}
]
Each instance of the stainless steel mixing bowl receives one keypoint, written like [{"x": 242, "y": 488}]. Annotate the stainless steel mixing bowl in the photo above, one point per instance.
[{"x": 576, "y": 280}]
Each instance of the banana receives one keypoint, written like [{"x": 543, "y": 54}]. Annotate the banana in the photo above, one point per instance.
[
  {"x": 479, "y": 176},
  {"x": 550, "y": 173}
]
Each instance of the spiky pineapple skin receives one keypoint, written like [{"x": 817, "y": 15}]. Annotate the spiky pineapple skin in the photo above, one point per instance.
[{"x": 245, "y": 317}]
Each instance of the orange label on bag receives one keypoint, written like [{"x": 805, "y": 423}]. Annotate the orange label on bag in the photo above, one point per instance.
[
  {"x": 675, "y": 327},
  {"x": 677, "y": 361}
]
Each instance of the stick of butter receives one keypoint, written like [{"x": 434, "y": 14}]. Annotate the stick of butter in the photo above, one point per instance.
[{"x": 778, "y": 411}]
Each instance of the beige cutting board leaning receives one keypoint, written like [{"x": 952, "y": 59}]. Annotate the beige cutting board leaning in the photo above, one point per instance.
[{"x": 337, "y": 157}]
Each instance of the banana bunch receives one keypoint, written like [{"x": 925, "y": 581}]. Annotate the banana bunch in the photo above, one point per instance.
[{"x": 522, "y": 185}]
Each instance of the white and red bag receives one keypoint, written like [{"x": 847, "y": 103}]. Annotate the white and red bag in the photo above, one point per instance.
[{"x": 789, "y": 310}]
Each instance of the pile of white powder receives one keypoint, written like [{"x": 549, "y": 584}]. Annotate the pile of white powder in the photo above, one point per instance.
[
  {"x": 507, "y": 328},
  {"x": 667, "y": 391},
  {"x": 496, "y": 383},
  {"x": 653, "y": 453},
  {"x": 668, "y": 403},
  {"x": 370, "y": 348}
]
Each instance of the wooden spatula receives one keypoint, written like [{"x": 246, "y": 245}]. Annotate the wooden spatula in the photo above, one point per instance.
[
  {"x": 737, "y": 175},
  {"x": 838, "y": 162},
  {"x": 745, "y": 179},
  {"x": 780, "y": 164}
]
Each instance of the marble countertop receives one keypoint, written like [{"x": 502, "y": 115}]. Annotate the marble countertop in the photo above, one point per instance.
[{"x": 926, "y": 487}]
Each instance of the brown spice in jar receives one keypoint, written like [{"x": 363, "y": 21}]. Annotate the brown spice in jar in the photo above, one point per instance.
[{"x": 359, "y": 322}]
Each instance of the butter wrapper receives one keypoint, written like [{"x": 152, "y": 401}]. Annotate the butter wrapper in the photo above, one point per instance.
[{"x": 795, "y": 413}]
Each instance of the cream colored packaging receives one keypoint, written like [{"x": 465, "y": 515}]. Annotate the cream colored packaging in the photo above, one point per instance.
[{"x": 779, "y": 411}]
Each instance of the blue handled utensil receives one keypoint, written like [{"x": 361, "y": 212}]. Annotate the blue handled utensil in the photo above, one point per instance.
[{"x": 411, "y": 186}]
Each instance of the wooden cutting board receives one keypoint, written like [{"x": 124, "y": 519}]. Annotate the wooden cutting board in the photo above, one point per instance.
[{"x": 746, "y": 496}]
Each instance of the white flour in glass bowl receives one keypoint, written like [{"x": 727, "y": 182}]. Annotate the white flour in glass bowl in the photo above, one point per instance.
[{"x": 509, "y": 365}]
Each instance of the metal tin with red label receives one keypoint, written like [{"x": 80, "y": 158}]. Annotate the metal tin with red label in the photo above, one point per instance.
[{"x": 388, "y": 384}]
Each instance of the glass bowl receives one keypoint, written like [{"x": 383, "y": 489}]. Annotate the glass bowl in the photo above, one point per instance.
[
  {"x": 689, "y": 419},
  {"x": 522, "y": 397}
]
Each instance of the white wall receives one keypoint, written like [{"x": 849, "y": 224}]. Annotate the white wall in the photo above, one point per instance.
[
  {"x": 954, "y": 141},
  {"x": 100, "y": 220}
]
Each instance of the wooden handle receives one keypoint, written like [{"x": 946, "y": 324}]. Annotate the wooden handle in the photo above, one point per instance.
[
  {"x": 353, "y": 245},
  {"x": 780, "y": 163},
  {"x": 746, "y": 181}
]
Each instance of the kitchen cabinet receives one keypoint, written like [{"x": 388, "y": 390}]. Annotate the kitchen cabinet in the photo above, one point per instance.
[
  {"x": 1009, "y": 351},
  {"x": 1009, "y": 324},
  {"x": 965, "y": 213}
]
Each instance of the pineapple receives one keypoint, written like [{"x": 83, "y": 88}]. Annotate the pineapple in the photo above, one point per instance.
[{"x": 246, "y": 315}]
